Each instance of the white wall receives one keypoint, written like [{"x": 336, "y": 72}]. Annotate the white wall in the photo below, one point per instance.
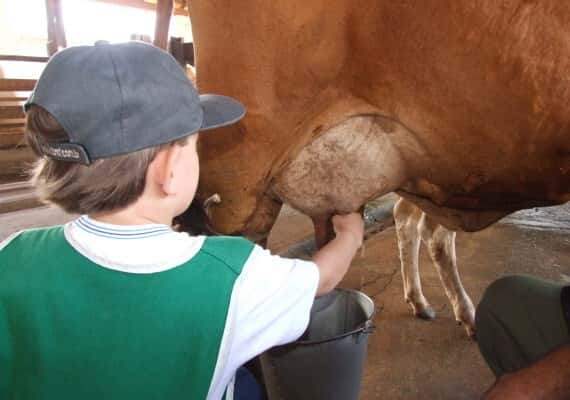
[{"x": 23, "y": 29}]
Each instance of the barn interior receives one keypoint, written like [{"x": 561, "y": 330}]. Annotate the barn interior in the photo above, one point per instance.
[{"x": 408, "y": 358}]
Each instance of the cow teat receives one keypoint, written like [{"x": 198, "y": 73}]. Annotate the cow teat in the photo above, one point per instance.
[{"x": 213, "y": 199}]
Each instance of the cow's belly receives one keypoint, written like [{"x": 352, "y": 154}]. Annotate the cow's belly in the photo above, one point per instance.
[
  {"x": 356, "y": 161},
  {"x": 344, "y": 167}
]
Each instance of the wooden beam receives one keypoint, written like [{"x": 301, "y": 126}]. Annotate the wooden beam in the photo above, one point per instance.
[
  {"x": 11, "y": 111},
  {"x": 11, "y": 101},
  {"x": 162, "y": 23},
  {"x": 145, "y": 5},
  {"x": 181, "y": 7},
  {"x": 131, "y": 3},
  {"x": 12, "y": 135},
  {"x": 12, "y": 130},
  {"x": 13, "y": 85},
  {"x": 56, "y": 31},
  {"x": 51, "y": 44},
  {"x": 7, "y": 124},
  {"x": 9, "y": 57},
  {"x": 13, "y": 98},
  {"x": 17, "y": 195},
  {"x": 11, "y": 140},
  {"x": 14, "y": 162}
]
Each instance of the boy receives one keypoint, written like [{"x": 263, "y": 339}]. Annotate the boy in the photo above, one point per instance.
[{"x": 115, "y": 304}]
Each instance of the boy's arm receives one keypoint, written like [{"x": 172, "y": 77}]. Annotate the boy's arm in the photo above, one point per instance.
[
  {"x": 272, "y": 298},
  {"x": 548, "y": 378},
  {"x": 334, "y": 258}
]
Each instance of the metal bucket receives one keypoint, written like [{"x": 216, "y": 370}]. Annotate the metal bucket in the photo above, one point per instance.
[{"x": 328, "y": 360}]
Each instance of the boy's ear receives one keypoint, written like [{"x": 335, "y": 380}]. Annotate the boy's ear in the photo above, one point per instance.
[{"x": 163, "y": 167}]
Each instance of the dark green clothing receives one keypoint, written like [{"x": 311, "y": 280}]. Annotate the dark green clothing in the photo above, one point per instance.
[
  {"x": 70, "y": 329},
  {"x": 519, "y": 320}
]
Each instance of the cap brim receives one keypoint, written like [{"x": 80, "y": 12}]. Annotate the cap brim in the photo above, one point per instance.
[{"x": 220, "y": 111}]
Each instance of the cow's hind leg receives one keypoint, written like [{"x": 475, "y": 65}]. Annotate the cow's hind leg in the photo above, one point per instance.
[
  {"x": 440, "y": 243},
  {"x": 407, "y": 217}
]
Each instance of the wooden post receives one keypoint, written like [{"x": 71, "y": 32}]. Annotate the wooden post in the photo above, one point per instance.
[
  {"x": 56, "y": 31},
  {"x": 163, "y": 13}
]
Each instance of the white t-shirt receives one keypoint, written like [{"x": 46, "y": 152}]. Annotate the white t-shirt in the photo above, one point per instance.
[{"x": 270, "y": 303}]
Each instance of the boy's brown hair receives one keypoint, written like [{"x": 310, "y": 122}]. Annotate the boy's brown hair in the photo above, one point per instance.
[{"x": 105, "y": 185}]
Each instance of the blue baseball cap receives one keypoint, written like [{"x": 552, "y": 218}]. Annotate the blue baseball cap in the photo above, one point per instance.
[{"x": 113, "y": 99}]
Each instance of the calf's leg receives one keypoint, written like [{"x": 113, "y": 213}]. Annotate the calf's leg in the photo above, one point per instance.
[
  {"x": 407, "y": 217},
  {"x": 440, "y": 243}
]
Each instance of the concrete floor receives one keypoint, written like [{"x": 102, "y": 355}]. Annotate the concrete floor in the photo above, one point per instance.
[{"x": 410, "y": 358}]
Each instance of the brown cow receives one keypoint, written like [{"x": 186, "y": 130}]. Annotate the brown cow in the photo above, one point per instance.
[{"x": 461, "y": 107}]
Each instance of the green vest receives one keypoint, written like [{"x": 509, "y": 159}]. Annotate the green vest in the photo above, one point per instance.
[{"x": 71, "y": 329}]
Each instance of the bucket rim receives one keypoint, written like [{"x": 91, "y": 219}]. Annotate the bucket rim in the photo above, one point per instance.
[{"x": 366, "y": 328}]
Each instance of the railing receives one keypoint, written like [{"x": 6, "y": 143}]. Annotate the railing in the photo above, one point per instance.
[{"x": 15, "y": 156}]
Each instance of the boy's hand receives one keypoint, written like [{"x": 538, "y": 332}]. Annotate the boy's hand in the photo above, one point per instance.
[
  {"x": 351, "y": 225},
  {"x": 334, "y": 258}
]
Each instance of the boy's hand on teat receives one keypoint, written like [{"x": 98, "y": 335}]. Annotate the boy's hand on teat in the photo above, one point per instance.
[
  {"x": 351, "y": 225},
  {"x": 334, "y": 258}
]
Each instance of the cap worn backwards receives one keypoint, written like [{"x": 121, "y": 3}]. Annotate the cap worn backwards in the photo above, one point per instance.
[{"x": 113, "y": 99}]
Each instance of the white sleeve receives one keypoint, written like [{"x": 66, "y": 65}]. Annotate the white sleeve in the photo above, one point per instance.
[{"x": 270, "y": 305}]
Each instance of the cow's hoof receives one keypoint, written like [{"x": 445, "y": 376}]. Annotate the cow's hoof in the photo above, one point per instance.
[
  {"x": 426, "y": 313},
  {"x": 471, "y": 332},
  {"x": 466, "y": 316},
  {"x": 469, "y": 329},
  {"x": 421, "y": 308}
]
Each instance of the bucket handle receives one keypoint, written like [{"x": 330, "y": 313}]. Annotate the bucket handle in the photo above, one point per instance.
[{"x": 368, "y": 327}]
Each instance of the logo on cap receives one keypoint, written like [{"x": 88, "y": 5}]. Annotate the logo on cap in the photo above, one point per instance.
[{"x": 65, "y": 152}]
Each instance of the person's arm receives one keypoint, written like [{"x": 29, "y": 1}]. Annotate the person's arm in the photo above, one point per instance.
[
  {"x": 546, "y": 379},
  {"x": 334, "y": 258}
]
